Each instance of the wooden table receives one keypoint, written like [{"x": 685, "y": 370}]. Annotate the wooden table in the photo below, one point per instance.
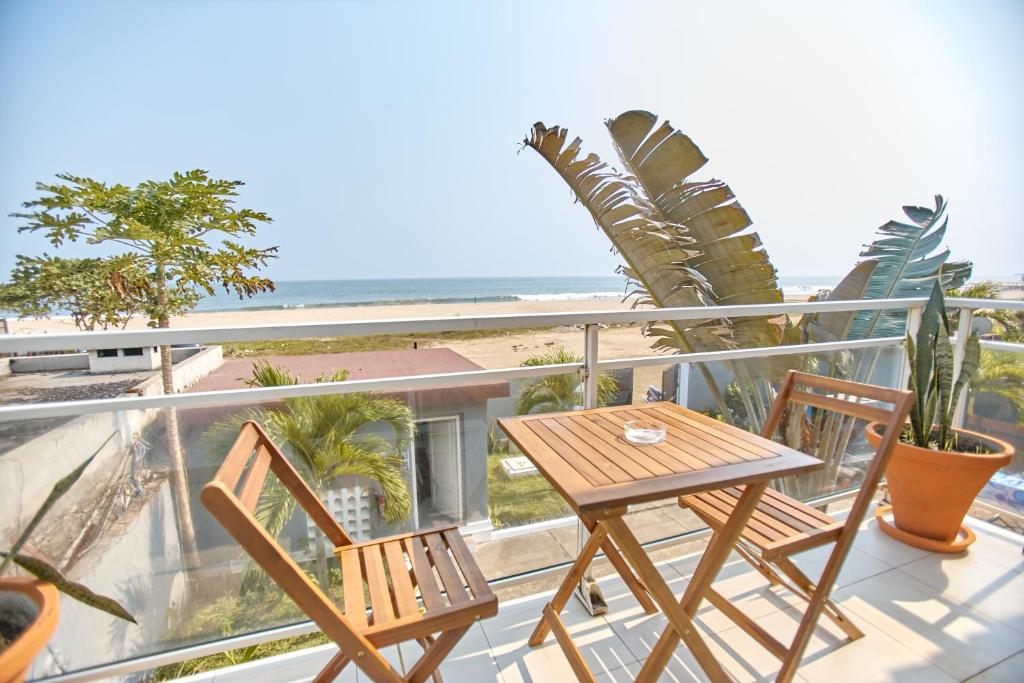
[{"x": 585, "y": 457}]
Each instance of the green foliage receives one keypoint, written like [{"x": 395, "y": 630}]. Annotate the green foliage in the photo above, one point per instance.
[
  {"x": 522, "y": 500},
  {"x": 931, "y": 376},
  {"x": 44, "y": 570},
  {"x": 326, "y": 438},
  {"x": 96, "y": 292},
  {"x": 1001, "y": 373},
  {"x": 907, "y": 267},
  {"x": 561, "y": 392},
  {"x": 1009, "y": 325},
  {"x": 165, "y": 227}
]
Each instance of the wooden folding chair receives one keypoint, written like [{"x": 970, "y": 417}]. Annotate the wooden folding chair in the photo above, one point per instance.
[
  {"x": 782, "y": 526},
  {"x": 422, "y": 586}
]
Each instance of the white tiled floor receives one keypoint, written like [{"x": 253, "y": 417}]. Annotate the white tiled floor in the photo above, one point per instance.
[{"x": 926, "y": 618}]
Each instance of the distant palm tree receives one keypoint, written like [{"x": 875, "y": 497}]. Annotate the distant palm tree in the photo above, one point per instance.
[
  {"x": 555, "y": 393},
  {"x": 1000, "y": 373},
  {"x": 326, "y": 437},
  {"x": 1007, "y": 324}
]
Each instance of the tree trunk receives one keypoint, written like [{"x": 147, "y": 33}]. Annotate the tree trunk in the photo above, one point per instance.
[
  {"x": 321, "y": 562},
  {"x": 179, "y": 471}
]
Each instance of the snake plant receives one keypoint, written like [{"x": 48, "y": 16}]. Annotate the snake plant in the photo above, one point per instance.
[{"x": 931, "y": 376}]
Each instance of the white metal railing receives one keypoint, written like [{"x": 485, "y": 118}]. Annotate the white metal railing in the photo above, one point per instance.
[
  {"x": 588, "y": 369},
  {"x": 589, "y": 320}
]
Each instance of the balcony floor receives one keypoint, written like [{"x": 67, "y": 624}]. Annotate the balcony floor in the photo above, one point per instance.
[{"x": 926, "y": 617}]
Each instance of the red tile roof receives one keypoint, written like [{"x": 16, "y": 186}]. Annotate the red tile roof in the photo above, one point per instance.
[{"x": 367, "y": 365}]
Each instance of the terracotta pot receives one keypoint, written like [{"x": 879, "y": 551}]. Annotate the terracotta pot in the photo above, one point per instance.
[
  {"x": 16, "y": 659},
  {"x": 931, "y": 491}
]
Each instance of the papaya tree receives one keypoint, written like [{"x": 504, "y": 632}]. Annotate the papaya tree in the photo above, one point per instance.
[{"x": 184, "y": 234}]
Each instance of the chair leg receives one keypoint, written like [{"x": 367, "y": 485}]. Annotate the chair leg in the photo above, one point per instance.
[
  {"x": 434, "y": 655},
  {"x": 807, "y": 590},
  {"x": 425, "y": 642},
  {"x": 333, "y": 669}
]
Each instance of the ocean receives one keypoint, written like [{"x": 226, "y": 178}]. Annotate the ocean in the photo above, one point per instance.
[{"x": 321, "y": 293}]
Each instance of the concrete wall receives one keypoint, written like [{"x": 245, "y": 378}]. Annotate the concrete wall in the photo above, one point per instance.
[
  {"x": 58, "y": 362},
  {"x": 53, "y": 363},
  {"x": 5, "y": 367},
  {"x": 190, "y": 366}
]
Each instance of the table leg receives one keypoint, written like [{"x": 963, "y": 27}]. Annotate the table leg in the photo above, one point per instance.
[
  {"x": 680, "y": 623},
  {"x": 710, "y": 564},
  {"x": 631, "y": 580},
  {"x": 597, "y": 537}
]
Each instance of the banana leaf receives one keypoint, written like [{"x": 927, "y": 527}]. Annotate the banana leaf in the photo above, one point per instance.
[{"x": 907, "y": 267}]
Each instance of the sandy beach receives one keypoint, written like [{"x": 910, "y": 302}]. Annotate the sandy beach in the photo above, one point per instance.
[{"x": 507, "y": 349}]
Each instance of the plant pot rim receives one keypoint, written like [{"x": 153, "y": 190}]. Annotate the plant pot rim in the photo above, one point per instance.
[
  {"x": 1002, "y": 452},
  {"x": 23, "y": 649}
]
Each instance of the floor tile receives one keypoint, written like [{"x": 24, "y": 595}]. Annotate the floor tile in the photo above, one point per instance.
[
  {"x": 999, "y": 546},
  {"x": 517, "y": 661},
  {"x": 831, "y": 657},
  {"x": 955, "y": 638},
  {"x": 744, "y": 587},
  {"x": 975, "y": 582},
  {"x": 873, "y": 541},
  {"x": 858, "y": 566},
  {"x": 1010, "y": 670}
]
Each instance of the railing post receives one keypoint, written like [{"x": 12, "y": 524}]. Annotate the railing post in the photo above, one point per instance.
[
  {"x": 588, "y": 591},
  {"x": 913, "y": 325},
  {"x": 589, "y": 370},
  {"x": 963, "y": 331}
]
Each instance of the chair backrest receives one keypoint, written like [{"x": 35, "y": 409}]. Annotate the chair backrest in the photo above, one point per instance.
[
  {"x": 231, "y": 498},
  {"x": 846, "y": 398}
]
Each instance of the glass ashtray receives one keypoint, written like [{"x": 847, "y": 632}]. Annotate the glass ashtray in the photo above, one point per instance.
[{"x": 644, "y": 431}]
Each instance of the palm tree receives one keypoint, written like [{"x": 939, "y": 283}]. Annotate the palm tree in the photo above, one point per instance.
[
  {"x": 555, "y": 393},
  {"x": 1000, "y": 373},
  {"x": 1007, "y": 324},
  {"x": 326, "y": 437}
]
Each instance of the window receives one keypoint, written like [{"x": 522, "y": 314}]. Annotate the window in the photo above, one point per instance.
[
  {"x": 133, "y": 352},
  {"x": 106, "y": 353}
]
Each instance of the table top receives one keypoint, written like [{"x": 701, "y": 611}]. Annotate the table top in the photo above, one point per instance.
[{"x": 585, "y": 457}]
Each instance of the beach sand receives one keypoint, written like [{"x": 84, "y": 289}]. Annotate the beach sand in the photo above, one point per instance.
[{"x": 501, "y": 351}]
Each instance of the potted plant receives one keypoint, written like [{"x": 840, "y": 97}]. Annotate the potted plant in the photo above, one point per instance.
[
  {"x": 936, "y": 470},
  {"x": 29, "y": 608}
]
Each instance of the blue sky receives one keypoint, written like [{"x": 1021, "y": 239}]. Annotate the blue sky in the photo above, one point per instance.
[{"x": 382, "y": 136}]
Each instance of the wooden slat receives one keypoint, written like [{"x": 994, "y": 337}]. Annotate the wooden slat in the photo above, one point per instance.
[
  {"x": 250, "y": 493},
  {"x": 381, "y": 609},
  {"x": 725, "y": 506},
  {"x": 562, "y": 478},
  {"x": 699, "y": 443},
  {"x": 706, "y": 450},
  {"x": 235, "y": 461},
  {"x": 599, "y": 502},
  {"x": 450, "y": 578},
  {"x": 793, "y": 508},
  {"x": 617, "y": 471},
  {"x": 467, "y": 564},
  {"x": 352, "y": 587},
  {"x": 685, "y": 456},
  {"x": 423, "y": 574},
  {"x": 594, "y": 474},
  {"x": 754, "y": 443},
  {"x": 632, "y": 460},
  {"x": 717, "y": 518},
  {"x": 743, "y": 445},
  {"x": 842, "y": 386},
  {"x": 405, "y": 596},
  {"x": 654, "y": 460},
  {"x": 861, "y": 410}
]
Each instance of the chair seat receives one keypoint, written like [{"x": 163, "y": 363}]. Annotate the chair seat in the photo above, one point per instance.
[
  {"x": 414, "y": 581},
  {"x": 779, "y": 526}
]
